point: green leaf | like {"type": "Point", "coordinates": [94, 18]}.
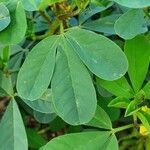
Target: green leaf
{"type": "Point", "coordinates": [119, 102]}
{"type": "Point", "coordinates": [114, 113]}
{"type": "Point", "coordinates": [35, 140]}
{"type": "Point", "coordinates": [33, 5]}
{"type": "Point", "coordinates": [103, 57]}
{"type": "Point", "coordinates": [137, 51]}
{"type": "Point", "coordinates": [44, 118]}
{"type": "Point", "coordinates": [131, 23]}
{"type": "Point", "coordinates": [146, 89]}
{"type": "Point", "coordinates": [104, 25]}
{"type": "Point", "coordinates": [133, 3]}
{"type": "Point", "coordinates": [15, 61]}
{"type": "Point", "coordinates": [100, 119]}
{"type": "Point", "coordinates": [70, 84]}
{"type": "Point", "coordinates": [4, 17]}
{"type": "Point", "coordinates": [42, 105]}
{"type": "Point", "coordinates": [84, 141]}
{"type": "Point", "coordinates": [92, 10]}
{"type": "Point", "coordinates": [13, 135]}
{"type": "Point", "coordinates": [145, 118]}
{"type": "Point", "coordinates": [5, 83]}
{"type": "Point", "coordinates": [118, 87]}
{"type": "Point", "coordinates": [132, 108]}
{"type": "Point", "coordinates": [35, 75]}
{"type": "Point", "coordinates": [3, 93]}
{"type": "Point", "coordinates": [16, 30]}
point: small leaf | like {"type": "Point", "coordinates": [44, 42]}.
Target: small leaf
{"type": "Point", "coordinates": [74, 95]}
{"type": "Point", "coordinates": [131, 23]}
{"type": "Point", "coordinates": [103, 57]}
{"type": "Point", "coordinates": [145, 119]}
{"type": "Point", "coordinates": [118, 87]}
{"type": "Point", "coordinates": [100, 119]}
{"type": "Point", "coordinates": [13, 134]}
{"type": "Point", "coordinates": [4, 17]}
{"type": "Point", "coordinates": [119, 102]}
{"type": "Point", "coordinates": [133, 3]}
{"type": "Point", "coordinates": [35, 75]}
{"type": "Point", "coordinates": [132, 108]}
{"type": "Point", "coordinates": [84, 141]}
{"type": "Point", "coordinates": [137, 51]}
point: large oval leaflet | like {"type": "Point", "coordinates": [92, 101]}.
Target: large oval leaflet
{"type": "Point", "coordinates": [100, 140]}
{"type": "Point", "coordinates": [102, 56]}
{"type": "Point", "coordinates": [35, 74]}
{"type": "Point", "coordinates": [74, 95]}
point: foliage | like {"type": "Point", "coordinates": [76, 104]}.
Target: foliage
{"type": "Point", "coordinates": [74, 75]}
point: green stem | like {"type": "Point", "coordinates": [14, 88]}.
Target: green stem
{"type": "Point", "coordinates": [61, 27]}
{"type": "Point", "coordinates": [119, 129]}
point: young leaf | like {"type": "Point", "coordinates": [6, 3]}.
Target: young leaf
{"type": "Point", "coordinates": [132, 108]}
{"type": "Point", "coordinates": [13, 135]}
{"type": "Point", "coordinates": [137, 51]}
{"type": "Point", "coordinates": [100, 119]}
{"type": "Point", "coordinates": [74, 95]}
{"type": "Point", "coordinates": [118, 87]}
{"type": "Point", "coordinates": [145, 118]}
{"type": "Point", "coordinates": [15, 32]}
{"type": "Point", "coordinates": [119, 102]}
{"type": "Point", "coordinates": [103, 57]}
{"type": "Point", "coordinates": [133, 3]}
{"type": "Point", "coordinates": [84, 141]}
{"type": "Point", "coordinates": [131, 23]}
{"type": "Point", "coordinates": [35, 75]}
{"type": "Point", "coordinates": [4, 17]}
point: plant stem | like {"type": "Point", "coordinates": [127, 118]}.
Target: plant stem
{"type": "Point", "coordinates": [119, 129]}
{"type": "Point", "coordinates": [61, 27]}
{"type": "Point", "coordinates": [44, 130]}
